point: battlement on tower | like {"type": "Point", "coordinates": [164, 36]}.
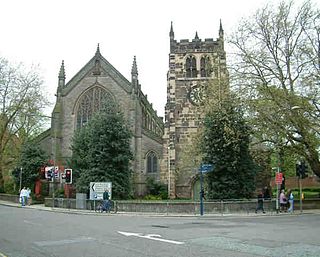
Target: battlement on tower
{"type": "Point", "coordinates": [208, 45]}
{"type": "Point", "coordinates": [196, 45]}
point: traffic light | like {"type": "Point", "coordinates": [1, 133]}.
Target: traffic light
{"type": "Point", "coordinates": [68, 173]}
{"type": "Point", "coordinates": [304, 170]}
{"type": "Point", "coordinates": [50, 174]}
{"type": "Point", "coordinates": [301, 170]}
{"type": "Point", "coordinates": [298, 169]}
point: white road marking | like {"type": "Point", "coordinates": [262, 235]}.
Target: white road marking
{"type": "Point", "coordinates": [155, 237]}
{"type": "Point", "coordinates": [31, 223]}
{"type": "Point", "coordinates": [63, 242]}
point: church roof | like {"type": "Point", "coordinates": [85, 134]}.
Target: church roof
{"type": "Point", "coordinates": [104, 66]}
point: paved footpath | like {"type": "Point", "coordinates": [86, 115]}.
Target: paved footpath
{"type": "Point", "coordinates": [41, 207]}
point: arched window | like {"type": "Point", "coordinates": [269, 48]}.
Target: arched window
{"type": "Point", "coordinates": [90, 103]}
{"type": "Point", "coordinates": [152, 163]}
{"type": "Point", "coordinates": [205, 67]}
{"type": "Point", "coordinates": [191, 67]}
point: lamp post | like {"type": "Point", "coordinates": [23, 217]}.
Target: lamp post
{"type": "Point", "coordinates": [54, 159]}
{"type": "Point", "coordinates": [300, 189]}
{"type": "Point", "coordinates": [54, 151]}
{"type": "Point", "coordinates": [53, 126]}
{"type": "Point", "coordinates": [20, 176]}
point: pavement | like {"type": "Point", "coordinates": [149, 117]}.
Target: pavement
{"type": "Point", "coordinates": [42, 207]}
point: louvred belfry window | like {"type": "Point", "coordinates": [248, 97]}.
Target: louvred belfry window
{"type": "Point", "coordinates": [191, 67]}
{"type": "Point", "coordinates": [205, 67]}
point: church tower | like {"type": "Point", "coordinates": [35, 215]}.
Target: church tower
{"type": "Point", "coordinates": [193, 67]}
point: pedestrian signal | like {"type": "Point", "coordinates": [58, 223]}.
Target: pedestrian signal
{"type": "Point", "coordinates": [68, 174]}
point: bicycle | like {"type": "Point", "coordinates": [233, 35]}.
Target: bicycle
{"type": "Point", "coordinates": [102, 206]}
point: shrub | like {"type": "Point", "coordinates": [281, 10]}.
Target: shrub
{"type": "Point", "coordinates": [156, 189]}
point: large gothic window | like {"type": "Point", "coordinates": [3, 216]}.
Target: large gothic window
{"type": "Point", "coordinates": [89, 103]}
{"type": "Point", "coordinates": [191, 67]}
{"type": "Point", "coordinates": [152, 163]}
{"type": "Point", "coordinates": [205, 67]}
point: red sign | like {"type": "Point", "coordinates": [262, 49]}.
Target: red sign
{"type": "Point", "coordinates": [279, 178]}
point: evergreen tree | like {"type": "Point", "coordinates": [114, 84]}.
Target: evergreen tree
{"type": "Point", "coordinates": [225, 144]}
{"type": "Point", "coordinates": [31, 160]}
{"type": "Point", "coordinates": [102, 152]}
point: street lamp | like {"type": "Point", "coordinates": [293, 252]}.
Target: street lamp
{"type": "Point", "coordinates": [20, 175]}
{"type": "Point", "coordinates": [53, 126]}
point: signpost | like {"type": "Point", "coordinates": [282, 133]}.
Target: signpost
{"type": "Point", "coordinates": [279, 178]}
{"type": "Point", "coordinates": [203, 169]}
{"type": "Point", "coordinates": [97, 189]}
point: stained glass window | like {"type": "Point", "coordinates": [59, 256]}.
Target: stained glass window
{"type": "Point", "coordinates": [89, 103]}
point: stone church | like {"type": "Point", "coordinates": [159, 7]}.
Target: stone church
{"type": "Point", "coordinates": [157, 145]}
{"type": "Point", "coordinates": [194, 66]}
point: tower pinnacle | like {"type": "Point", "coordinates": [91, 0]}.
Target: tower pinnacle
{"type": "Point", "coordinates": [98, 50]}
{"type": "Point", "coordinates": [62, 76]}
{"type": "Point", "coordinates": [171, 34]}
{"type": "Point", "coordinates": [196, 36]}
{"type": "Point", "coordinates": [220, 30]}
{"type": "Point", "coordinates": [134, 69]}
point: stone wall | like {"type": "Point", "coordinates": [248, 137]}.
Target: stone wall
{"type": "Point", "coordinates": [191, 208]}
{"type": "Point", "coordinates": [167, 207]}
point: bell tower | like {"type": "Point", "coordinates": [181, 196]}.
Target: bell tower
{"type": "Point", "coordinates": [193, 67]}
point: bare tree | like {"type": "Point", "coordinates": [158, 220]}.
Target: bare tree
{"type": "Point", "coordinates": [276, 70]}
{"type": "Point", "coordinates": [20, 102]}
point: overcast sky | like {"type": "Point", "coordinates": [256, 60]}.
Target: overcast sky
{"type": "Point", "coordinates": [47, 32]}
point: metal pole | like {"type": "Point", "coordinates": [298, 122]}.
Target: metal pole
{"type": "Point", "coordinates": [20, 179]}
{"type": "Point", "coordinates": [201, 193]}
{"type": "Point", "coordinates": [54, 159]}
{"type": "Point", "coordinates": [300, 187]}
{"type": "Point", "coordinates": [277, 198]}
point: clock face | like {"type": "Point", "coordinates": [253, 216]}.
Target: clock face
{"type": "Point", "coordinates": [197, 94]}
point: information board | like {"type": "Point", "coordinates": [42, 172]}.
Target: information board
{"type": "Point", "coordinates": [97, 189]}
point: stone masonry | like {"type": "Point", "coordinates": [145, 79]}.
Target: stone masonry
{"type": "Point", "coordinates": [193, 67]}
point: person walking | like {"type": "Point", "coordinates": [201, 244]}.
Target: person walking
{"type": "Point", "coordinates": [23, 196]}
{"type": "Point", "coordinates": [260, 202]}
{"type": "Point", "coordinates": [283, 201]}
{"type": "Point", "coordinates": [28, 196]}
{"type": "Point", "coordinates": [105, 197]}
{"type": "Point", "coordinates": [291, 200]}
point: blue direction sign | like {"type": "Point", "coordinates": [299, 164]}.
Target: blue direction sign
{"type": "Point", "coordinates": [206, 168]}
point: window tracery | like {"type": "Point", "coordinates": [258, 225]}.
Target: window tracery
{"type": "Point", "coordinates": [152, 163]}
{"type": "Point", "coordinates": [90, 103]}
{"type": "Point", "coordinates": [205, 67]}
{"type": "Point", "coordinates": [191, 67]}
